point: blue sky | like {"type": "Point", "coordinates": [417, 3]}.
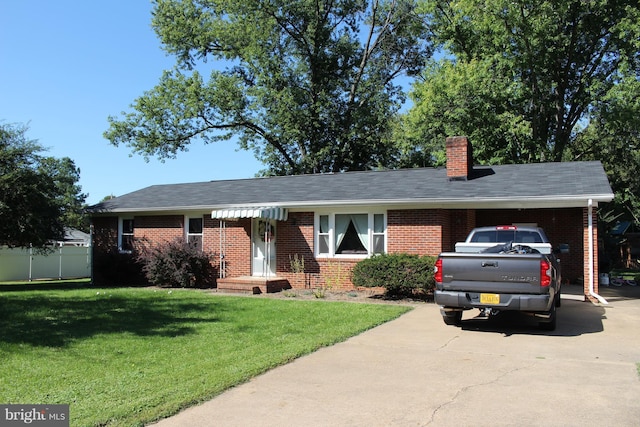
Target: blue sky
{"type": "Point", "coordinates": [65, 66]}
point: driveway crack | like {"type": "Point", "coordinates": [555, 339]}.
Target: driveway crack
{"type": "Point", "coordinates": [472, 386]}
{"type": "Point", "coordinates": [445, 345]}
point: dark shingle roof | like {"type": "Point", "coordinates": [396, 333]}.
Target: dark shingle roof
{"type": "Point", "coordinates": [558, 184]}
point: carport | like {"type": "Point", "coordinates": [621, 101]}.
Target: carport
{"type": "Point", "coordinates": [562, 198]}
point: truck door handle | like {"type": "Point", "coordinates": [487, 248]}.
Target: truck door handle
{"type": "Point", "coordinates": [490, 263]}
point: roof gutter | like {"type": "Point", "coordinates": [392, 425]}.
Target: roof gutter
{"type": "Point", "coordinates": [531, 202]}
{"type": "Point", "coordinates": [591, 256]}
{"type": "Point", "coordinates": [458, 203]}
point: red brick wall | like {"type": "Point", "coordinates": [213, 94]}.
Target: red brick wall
{"type": "Point", "coordinates": [416, 231]}
{"type": "Point", "coordinates": [459, 157]}
{"type": "Point", "coordinates": [560, 225]}
{"type": "Point", "coordinates": [158, 229]}
{"type": "Point", "coordinates": [110, 267]}
{"type": "Point", "coordinates": [105, 234]}
{"type": "Point", "coordinates": [585, 236]}
{"type": "Point", "coordinates": [211, 234]}
{"type": "Point", "coordinates": [236, 245]}
{"type": "Point", "coordinates": [461, 222]}
{"type": "Point", "coordinates": [330, 273]}
{"type": "Point", "coordinates": [335, 273]}
{"type": "Point", "coordinates": [295, 240]}
{"type": "Point", "coordinates": [236, 235]}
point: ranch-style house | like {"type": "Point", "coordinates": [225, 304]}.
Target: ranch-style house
{"type": "Point", "coordinates": [257, 227]}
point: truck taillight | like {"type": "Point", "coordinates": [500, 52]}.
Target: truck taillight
{"type": "Point", "coordinates": [545, 273]}
{"type": "Point", "coordinates": [506, 227]}
{"type": "Point", "coordinates": [437, 270]}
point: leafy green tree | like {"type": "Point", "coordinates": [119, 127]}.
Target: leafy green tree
{"type": "Point", "coordinates": [38, 194]}
{"type": "Point", "coordinates": [613, 137]}
{"type": "Point", "coordinates": [308, 86]}
{"type": "Point", "coordinates": [70, 198]}
{"type": "Point", "coordinates": [520, 76]}
{"type": "Point", "coordinates": [463, 98]}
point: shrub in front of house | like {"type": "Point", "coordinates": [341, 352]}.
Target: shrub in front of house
{"type": "Point", "coordinates": [115, 268]}
{"type": "Point", "coordinates": [176, 264]}
{"type": "Point", "coordinates": [400, 274]}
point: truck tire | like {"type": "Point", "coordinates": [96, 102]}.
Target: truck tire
{"type": "Point", "coordinates": [550, 325]}
{"type": "Point", "coordinates": [453, 318]}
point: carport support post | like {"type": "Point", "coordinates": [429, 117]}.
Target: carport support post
{"type": "Point", "coordinates": [591, 250]}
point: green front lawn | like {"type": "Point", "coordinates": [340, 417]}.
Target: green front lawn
{"type": "Point", "coordinates": [130, 356]}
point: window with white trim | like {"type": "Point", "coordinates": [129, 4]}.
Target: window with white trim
{"type": "Point", "coordinates": [194, 232]}
{"type": "Point", "coordinates": [379, 240]}
{"type": "Point", "coordinates": [355, 234]}
{"type": "Point", "coordinates": [126, 235]}
{"type": "Point", "coordinates": [323, 235]}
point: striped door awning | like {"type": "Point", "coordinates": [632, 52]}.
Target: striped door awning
{"type": "Point", "coordinates": [266, 212]}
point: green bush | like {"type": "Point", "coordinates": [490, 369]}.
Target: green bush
{"type": "Point", "coordinates": [399, 274]}
{"type": "Point", "coordinates": [176, 264]}
{"type": "Point", "coordinates": [114, 268]}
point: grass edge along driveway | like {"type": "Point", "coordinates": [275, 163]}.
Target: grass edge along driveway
{"type": "Point", "coordinates": [130, 356]}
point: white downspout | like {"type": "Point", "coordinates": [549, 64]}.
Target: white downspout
{"type": "Point", "coordinates": [223, 246]}
{"type": "Point", "coordinates": [267, 248]}
{"type": "Point", "coordinates": [591, 278]}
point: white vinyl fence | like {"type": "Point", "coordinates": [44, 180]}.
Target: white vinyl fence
{"type": "Point", "coordinates": [65, 262]}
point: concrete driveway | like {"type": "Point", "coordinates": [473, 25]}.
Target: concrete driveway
{"type": "Point", "coordinates": [416, 371]}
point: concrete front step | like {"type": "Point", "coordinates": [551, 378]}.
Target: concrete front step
{"type": "Point", "coordinates": [253, 285]}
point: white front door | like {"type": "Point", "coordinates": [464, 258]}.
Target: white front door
{"type": "Point", "coordinates": [263, 247]}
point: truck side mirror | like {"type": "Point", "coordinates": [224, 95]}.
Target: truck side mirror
{"type": "Point", "coordinates": [563, 248]}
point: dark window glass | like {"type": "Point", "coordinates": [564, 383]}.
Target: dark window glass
{"type": "Point", "coordinates": [127, 226]}
{"type": "Point", "coordinates": [351, 243]}
{"type": "Point", "coordinates": [127, 235]}
{"type": "Point", "coordinates": [195, 225]}
{"type": "Point", "coordinates": [194, 233]}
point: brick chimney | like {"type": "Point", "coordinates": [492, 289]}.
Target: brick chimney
{"type": "Point", "coordinates": [459, 158]}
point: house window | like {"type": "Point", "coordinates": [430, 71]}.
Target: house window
{"type": "Point", "coordinates": [378, 234]}
{"type": "Point", "coordinates": [194, 232]}
{"type": "Point", "coordinates": [126, 236]}
{"type": "Point", "coordinates": [350, 234]}
{"type": "Point", "coordinates": [323, 235]}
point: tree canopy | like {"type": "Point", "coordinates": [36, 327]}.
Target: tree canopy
{"type": "Point", "coordinates": [521, 77]}
{"type": "Point", "coordinates": [531, 81]}
{"type": "Point", "coordinates": [39, 195]}
{"type": "Point", "coordinates": [613, 137]}
{"type": "Point", "coordinates": [308, 86]}
{"type": "Point", "coordinates": [314, 85]}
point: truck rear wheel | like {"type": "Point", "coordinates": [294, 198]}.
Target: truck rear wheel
{"type": "Point", "coordinates": [453, 318]}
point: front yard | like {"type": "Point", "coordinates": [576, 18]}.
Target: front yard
{"type": "Point", "coordinates": [124, 357]}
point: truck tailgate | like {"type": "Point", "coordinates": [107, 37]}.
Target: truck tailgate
{"type": "Point", "coordinates": [499, 273]}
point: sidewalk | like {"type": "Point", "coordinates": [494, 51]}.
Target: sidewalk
{"type": "Point", "coordinates": [416, 371]}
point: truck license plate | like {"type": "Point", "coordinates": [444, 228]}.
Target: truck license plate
{"type": "Point", "coordinates": [489, 299]}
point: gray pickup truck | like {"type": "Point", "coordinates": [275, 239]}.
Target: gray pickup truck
{"type": "Point", "coordinates": [500, 268]}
